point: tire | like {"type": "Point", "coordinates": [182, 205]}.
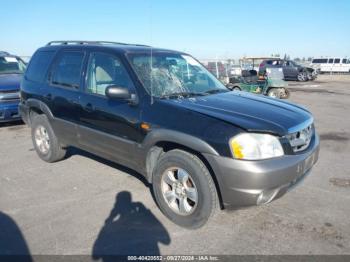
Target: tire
{"type": "Point", "coordinates": [274, 93]}
{"type": "Point", "coordinates": [229, 86]}
{"type": "Point", "coordinates": [173, 167]}
{"type": "Point", "coordinates": [285, 93]}
{"type": "Point", "coordinates": [45, 141]}
{"type": "Point", "coordinates": [302, 77]}
{"type": "Point", "coordinates": [236, 88]}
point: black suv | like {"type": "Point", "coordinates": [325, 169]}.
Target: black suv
{"type": "Point", "coordinates": [161, 113]}
{"type": "Point", "coordinates": [291, 70]}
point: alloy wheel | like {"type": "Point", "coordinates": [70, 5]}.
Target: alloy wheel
{"type": "Point", "coordinates": [179, 191]}
{"type": "Point", "coordinates": [42, 139]}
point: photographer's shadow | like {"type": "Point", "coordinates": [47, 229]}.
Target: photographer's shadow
{"type": "Point", "coordinates": [13, 246]}
{"type": "Point", "coordinates": [130, 229]}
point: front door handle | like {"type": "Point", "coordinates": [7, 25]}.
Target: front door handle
{"type": "Point", "coordinates": [89, 107]}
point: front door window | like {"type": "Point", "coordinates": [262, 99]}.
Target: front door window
{"type": "Point", "coordinates": [105, 70]}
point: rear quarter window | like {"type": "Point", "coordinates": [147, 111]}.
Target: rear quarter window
{"type": "Point", "coordinates": [38, 66]}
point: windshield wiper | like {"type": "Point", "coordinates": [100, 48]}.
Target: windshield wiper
{"type": "Point", "coordinates": [215, 91]}
{"type": "Point", "coordinates": [182, 94]}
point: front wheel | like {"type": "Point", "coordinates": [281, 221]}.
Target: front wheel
{"type": "Point", "coordinates": [302, 77]}
{"type": "Point", "coordinates": [184, 189]}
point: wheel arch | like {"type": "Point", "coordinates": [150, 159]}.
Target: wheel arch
{"type": "Point", "coordinates": [35, 107]}
{"type": "Point", "coordinates": [168, 143]}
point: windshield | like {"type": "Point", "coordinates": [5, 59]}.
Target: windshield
{"type": "Point", "coordinates": [11, 65]}
{"type": "Point", "coordinates": [167, 74]}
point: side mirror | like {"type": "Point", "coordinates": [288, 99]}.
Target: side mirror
{"type": "Point", "coordinates": [117, 92]}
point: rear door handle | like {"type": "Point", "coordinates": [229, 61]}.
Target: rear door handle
{"type": "Point", "coordinates": [74, 102]}
{"type": "Point", "coordinates": [89, 107]}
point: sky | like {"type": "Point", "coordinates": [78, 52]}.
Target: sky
{"type": "Point", "coordinates": [207, 29]}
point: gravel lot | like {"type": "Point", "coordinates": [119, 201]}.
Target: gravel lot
{"type": "Point", "coordinates": [72, 207]}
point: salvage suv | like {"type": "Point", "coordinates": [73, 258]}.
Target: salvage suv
{"type": "Point", "coordinates": [161, 113]}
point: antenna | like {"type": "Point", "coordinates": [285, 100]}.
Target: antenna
{"type": "Point", "coordinates": [150, 33]}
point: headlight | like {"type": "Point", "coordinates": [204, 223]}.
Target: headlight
{"type": "Point", "coordinates": [252, 146]}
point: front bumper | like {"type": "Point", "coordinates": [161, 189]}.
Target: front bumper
{"type": "Point", "coordinates": [245, 183]}
{"type": "Point", "coordinates": [9, 112]}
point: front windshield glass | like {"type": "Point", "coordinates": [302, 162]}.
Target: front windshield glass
{"type": "Point", "coordinates": [11, 65]}
{"type": "Point", "coordinates": [169, 74]}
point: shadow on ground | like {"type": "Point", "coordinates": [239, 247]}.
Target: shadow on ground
{"type": "Point", "coordinates": [72, 151]}
{"type": "Point", "coordinates": [130, 229]}
{"type": "Point", "coordinates": [14, 124]}
{"type": "Point", "coordinates": [12, 242]}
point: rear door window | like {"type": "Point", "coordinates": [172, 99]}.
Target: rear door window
{"type": "Point", "coordinates": [336, 61]}
{"type": "Point", "coordinates": [67, 69]}
{"type": "Point", "coordinates": [330, 61]}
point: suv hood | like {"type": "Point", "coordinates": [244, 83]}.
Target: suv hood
{"type": "Point", "coordinates": [251, 112]}
{"type": "Point", "coordinates": [10, 82]}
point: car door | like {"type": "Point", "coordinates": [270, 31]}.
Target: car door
{"type": "Point", "coordinates": [63, 94]}
{"type": "Point", "coordinates": [289, 70]}
{"type": "Point", "coordinates": [108, 127]}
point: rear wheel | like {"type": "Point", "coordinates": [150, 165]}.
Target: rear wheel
{"type": "Point", "coordinates": [45, 141]}
{"type": "Point", "coordinates": [274, 93]}
{"type": "Point", "coordinates": [236, 88]}
{"type": "Point", "coordinates": [285, 93]}
{"type": "Point", "coordinates": [184, 189]}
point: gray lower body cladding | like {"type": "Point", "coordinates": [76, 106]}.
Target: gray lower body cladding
{"type": "Point", "coordinates": [246, 183]}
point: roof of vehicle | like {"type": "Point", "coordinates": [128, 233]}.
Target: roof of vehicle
{"type": "Point", "coordinates": [121, 47]}
{"type": "Point", "coordinates": [258, 57]}
{"type": "Point", "coordinates": [274, 58]}
{"type": "Point", "coordinates": [7, 54]}
{"type": "Point", "coordinates": [3, 53]}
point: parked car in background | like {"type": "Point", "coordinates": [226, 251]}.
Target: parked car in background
{"type": "Point", "coordinates": [271, 85]}
{"type": "Point", "coordinates": [331, 65]}
{"type": "Point", "coordinates": [161, 113]}
{"type": "Point", "coordinates": [11, 71]}
{"type": "Point", "coordinates": [291, 70]}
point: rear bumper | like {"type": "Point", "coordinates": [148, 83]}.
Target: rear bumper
{"type": "Point", "coordinates": [247, 183]}
{"type": "Point", "coordinates": [24, 113]}
{"type": "Point", "coordinates": [9, 112]}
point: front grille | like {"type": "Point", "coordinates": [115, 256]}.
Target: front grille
{"type": "Point", "coordinates": [9, 95]}
{"type": "Point", "coordinates": [301, 139]}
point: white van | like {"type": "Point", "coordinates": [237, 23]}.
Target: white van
{"type": "Point", "coordinates": [331, 65]}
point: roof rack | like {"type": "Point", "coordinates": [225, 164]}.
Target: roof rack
{"type": "Point", "coordinates": [80, 42]}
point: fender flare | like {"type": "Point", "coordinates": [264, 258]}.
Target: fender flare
{"type": "Point", "coordinates": [166, 135]}
{"type": "Point", "coordinates": [35, 103]}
